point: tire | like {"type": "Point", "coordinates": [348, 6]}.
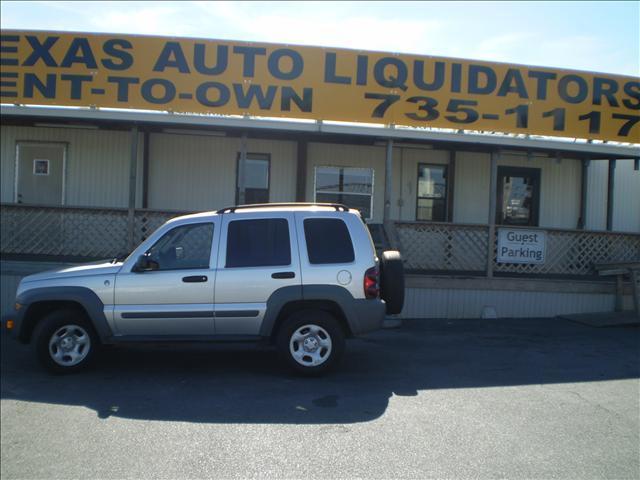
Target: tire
{"type": "Point", "coordinates": [392, 281]}
{"type": "Point", "coordinates": [65, 342]}
{"type": "Point", "coordinates": [311, 342]}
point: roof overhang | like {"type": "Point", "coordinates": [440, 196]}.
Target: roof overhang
{"type": "Point", "coordinates": [487, 141]}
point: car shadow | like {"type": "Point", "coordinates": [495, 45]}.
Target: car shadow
{"type": "Point", "coordinates": [247, 384]}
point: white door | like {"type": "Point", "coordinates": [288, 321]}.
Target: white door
{"type": "Point", "coordinates": [40, 173]}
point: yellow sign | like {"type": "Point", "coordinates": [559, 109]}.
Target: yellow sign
{"type": "Point", "coordinates": [267, 80]}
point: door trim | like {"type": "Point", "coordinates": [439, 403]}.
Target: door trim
{"type": "Point", "coordinates": [40, 143]}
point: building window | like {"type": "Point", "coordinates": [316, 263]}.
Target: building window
{"type": "Point", "coordinates": [518, 196]}
{"type": "Point", "coordinates": [432, 193]}
{"type": "Point", "coordinates": [352, 187]}
{"type": "Point", "coordinates": [256, 178]}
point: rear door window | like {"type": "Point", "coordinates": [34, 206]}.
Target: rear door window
{"type": "Point", "coordinates": [328, 241]}
{"type": "Point", "coordinates": [258, 243]}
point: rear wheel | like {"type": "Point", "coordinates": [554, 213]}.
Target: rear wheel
{"type": "Point", "coordinates": [64, 341]}
{"type": "Point", "coordinates": [311, 341]}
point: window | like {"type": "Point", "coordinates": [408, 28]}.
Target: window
{"type": "Point", "coordinates": [352, 187]}
{"type": "Point", "coordinates": [256, 178]}
{"type": "Point", "coordinates": [184, 247]}
{"type": "Point", "coordinates": [518, 196]}
{"type": "Point", "coordinates": [328, 241]}
{"type": "Point", "coordinates": [258, 243]}
{"type": "Point", "coordinates": [432, 193]}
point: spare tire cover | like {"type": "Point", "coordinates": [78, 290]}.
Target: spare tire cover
{"type": "Point", "coordinates": [392, 281]}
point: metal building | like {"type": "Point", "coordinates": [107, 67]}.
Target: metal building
{"type": "Point", "coordinates": [82, 183]}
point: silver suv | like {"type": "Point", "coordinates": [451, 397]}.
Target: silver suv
{"type": "Point", "coordinates": [301, 276]}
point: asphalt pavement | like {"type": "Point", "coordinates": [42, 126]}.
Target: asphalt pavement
{"type": "Point", "coordinates": [508, 398]}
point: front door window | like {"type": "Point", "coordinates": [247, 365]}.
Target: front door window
{"type": "Point", "coordinates": [518, 196]}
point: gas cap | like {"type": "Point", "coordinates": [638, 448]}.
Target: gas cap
{"type": "Point", "coordinates": [344, 277]}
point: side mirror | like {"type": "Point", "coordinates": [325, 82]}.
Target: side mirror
{"type": "Point", "coordinates": [145, 264]}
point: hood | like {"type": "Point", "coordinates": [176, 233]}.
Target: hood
{"type": "Point", "coordinates": [103, 267]}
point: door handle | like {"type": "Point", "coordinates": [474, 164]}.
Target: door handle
{"type": "Point", "coordinates": [283, 275]}
{"type": "Point", "coordinates": [195, 279]}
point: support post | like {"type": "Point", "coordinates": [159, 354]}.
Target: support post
{"type": "Point", "coordinates": [301, 175]}
{"type": "Point", "coordinates": [133, 172]}
{"type": "Point", "coordinates": [451, 183]}
{"type": "Point", "coordinates": [610, 193]}
{"type": "Point", "coordinates": [241, 169]}
{"type": "Point", "coordinates": [582, 220]}
{"type": "Point", "coordinates": [145, 169]}
{"type": "Point", "coordinates": [493, 185]}
{"type": "Point", "coordinates": [388, 182]}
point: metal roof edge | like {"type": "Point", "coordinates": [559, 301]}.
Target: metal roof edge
{"type": "Point", "coordinates": [586, 149]}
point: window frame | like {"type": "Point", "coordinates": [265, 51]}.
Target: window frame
{"type": "Point", "coordinates": [223, 261]}
{"type": "Point", "coordinates": [267, 157]}
{"type": "Point", "coordinates": [445, 198]}
{"type": "Point", "coordinates": [536, 174]}
{"type": "Point", "coordinates": [342, 167]}
{"type": "Point", "coordinates": [211, 250]}
{"type": "Point", "coordinates": [306, 242]}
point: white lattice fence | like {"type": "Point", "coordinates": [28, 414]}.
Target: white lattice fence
{"type": "Point", "coordinates": [443, 247]}
{"type": "Point", "coordinates": [73, 231]}
{"type": "Point", "coordinates": [147, 221]}
{"type": "Point", "coordinates": [84, 232]}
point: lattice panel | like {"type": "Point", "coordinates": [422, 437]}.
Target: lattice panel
{"type": "Point", "coordinates": [427, 246]}
{"type": "Point", "coordinates": [575, 252]}
{"type": "Point", "coordinates": [146, 222]}
{"type": "Point", "coordinates": [63, 231]}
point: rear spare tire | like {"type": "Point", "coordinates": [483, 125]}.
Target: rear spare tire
{"type": "Point", "coordinates": [392, 281]}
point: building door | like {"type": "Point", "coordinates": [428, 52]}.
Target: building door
{"type": "Point", "coordinates": [518, 199]}
{"type": "Point", "coordinates": [40, 173]}
{"type": "Point", "coordinates": [432, 193]}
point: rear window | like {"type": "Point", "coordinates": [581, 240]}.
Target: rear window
{"type": "Point", "coordinates": [328, 241]}
{"type": "Point", "coordinates": [258, 243]}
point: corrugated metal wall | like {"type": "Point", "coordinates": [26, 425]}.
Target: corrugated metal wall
{"type": "Point", "coordinates": [189, 172]}
{"type": "Point", "coordinates": [626, 209]}
{"type": "Point", "coordinates": [97, 169]}
{"type": "Point", "coordinates": [559, 188]}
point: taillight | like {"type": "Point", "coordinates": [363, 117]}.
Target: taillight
{"type": "Point", "coordinates": [371, 287]}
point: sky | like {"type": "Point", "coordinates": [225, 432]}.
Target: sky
{"type": "Point", "coordinates": [591, 36]}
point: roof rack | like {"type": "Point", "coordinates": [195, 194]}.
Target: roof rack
{"type": "Point", "coordinates": [338, 206]}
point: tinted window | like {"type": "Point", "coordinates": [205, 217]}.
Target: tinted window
{"type": "Point", "coordinates": [258, 243]}
{"type": "Point", "coordinates": [188, 246]}
{"type": "Point", "coordinates": [328, 241]}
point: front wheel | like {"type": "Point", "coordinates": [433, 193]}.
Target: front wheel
{"type": "Point", "coordinates": [64, 342]}
{"type": "Point", "coordinates": [311, 341]}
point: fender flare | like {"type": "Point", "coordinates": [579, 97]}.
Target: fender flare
{"type": "Point", "coordinates": [81, 295]}
{"type": "Point", "coordinates": [334, 293]}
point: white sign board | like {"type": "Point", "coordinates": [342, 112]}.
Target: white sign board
{"type": "Point", "coordinates": [521, 246]}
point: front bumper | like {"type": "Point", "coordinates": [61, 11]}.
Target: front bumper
{"type": "Point", "coordinates": [12, 321]}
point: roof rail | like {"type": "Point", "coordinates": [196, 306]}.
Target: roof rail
{"type": "Point", "coordinates": [338, 206]}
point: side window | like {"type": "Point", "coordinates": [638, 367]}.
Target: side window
{"type": "Point", "coordinates": [258, 243]}
{"type": "Point", "coordinates": [328, 241]}
{"type": "Point", "coordinates": [187, 246]}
